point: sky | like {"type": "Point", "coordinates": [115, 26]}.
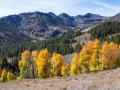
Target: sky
{"type": "Point", "coordinates": [71, 7]}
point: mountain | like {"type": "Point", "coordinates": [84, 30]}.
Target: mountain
{"type": "Point", "coordinates": [67, 20]}
{"type": "Point", "coordinates": [38, 24]}
{"type": "Point", "coordinates": [115, 18]}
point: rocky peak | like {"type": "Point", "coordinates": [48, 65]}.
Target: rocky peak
{"type": "Point", "coordinates": [88, 15]}
{"type": "Point", "coordinates": [92, 16]}
{"type": "Point", "coordinates": [64, 15]}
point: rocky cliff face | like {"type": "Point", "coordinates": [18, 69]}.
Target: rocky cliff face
{"type": "Point", "coordinates": [40, 24]}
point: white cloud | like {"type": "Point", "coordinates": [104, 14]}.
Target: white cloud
{"type": "Point", "coordinates": [113, 7]}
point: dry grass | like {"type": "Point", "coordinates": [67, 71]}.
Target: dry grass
{"type": "Point", "coordinates": [102, 80]}
{"type": "Point", "coordinates": [88, 29]}
{"type": "Point", "coordinates": [82, 39]}
{"type": "Point", "coordinates": [68, 57]}
{"type": "Point", "coordinates": [85, 37]}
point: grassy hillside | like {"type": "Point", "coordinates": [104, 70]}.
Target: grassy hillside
{"type": "Point", "coordinates": [103, 80]}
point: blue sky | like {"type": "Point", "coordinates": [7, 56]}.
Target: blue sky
{"type": "Point", "coordinates": [71, 7]}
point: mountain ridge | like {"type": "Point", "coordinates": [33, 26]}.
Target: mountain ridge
{"type": "Point", "coordinates": [41, 24]}
{"type": "Point", "coordinates": [45, 25]}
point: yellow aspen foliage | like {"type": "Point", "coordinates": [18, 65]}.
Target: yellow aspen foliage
{"type": "Point", "coordinates": [84, 63]}
{"type": "Point", "coordinates": [10, 76]}
{"type": "Point", "coordinates": [0, 68]}
{"type": "Point", "coordinates": [41, 72]}
{"type": "Point", "coordinates": [44, 53]}
{"type": "Point", "coordinates": [92, 57]}
{"type": "Point", "coordinates": [57, 62]}
{"type": "Point", "coordinates": [34, 62]}
{"type": "Point", "coordinates": [118, 59]}
{"type": "Point", "coordinates": [85, 56]}
{"type": "Point", "coordinates": [96, 47]}
{"type": "Point", "coordinates": [94, 60]}
{"type": "Point", "coordinates": [109, 55]}
{"type": "Point", "coordinates": [23, 64]}
{"type": "Point", "coordinates": [89, 46]}
{"type": "Point", "coordinates": [43, 63]}
{"type": "Point", "coordinates": [86, 51]}
{"type": "Point", "coordinates": [0, 71]}
{"type": "Point", "coordinates": [24, 59]}
{"type": "Point", "coordinates": [25, 55]}
{"type": "Point", "coordinates": [4, 75]}
{"type": "Point", "coordinates": [1, 75]}
{"type": "Point", "coordinates": [75, 67]}
{"type": "Point", "coordinates": [35, 55]}
{"type": "Point", "coordinates": [1, 80]}
{"type": "Point", "coordinates": [64, 70]}
{"type": "Point", "coordinates": [93, 64]}
{"type": "Point", "coordinates": [52, 73]}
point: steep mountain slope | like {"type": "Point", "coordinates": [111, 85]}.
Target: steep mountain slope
{"type": "Point", "coordinates": [40, 24]}
{"type": "Point", "coordinates": [11, 35]}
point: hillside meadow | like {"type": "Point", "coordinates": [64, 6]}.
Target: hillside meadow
{"type": "Point", "coordinates": [102, 80]}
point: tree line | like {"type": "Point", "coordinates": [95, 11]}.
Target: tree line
{"type": "Point", "coordinates": [104, 30]}
{"type": "Point", "coordinates": [60, 45]}
{"type": "Point", "coordinates": [43, 64]}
